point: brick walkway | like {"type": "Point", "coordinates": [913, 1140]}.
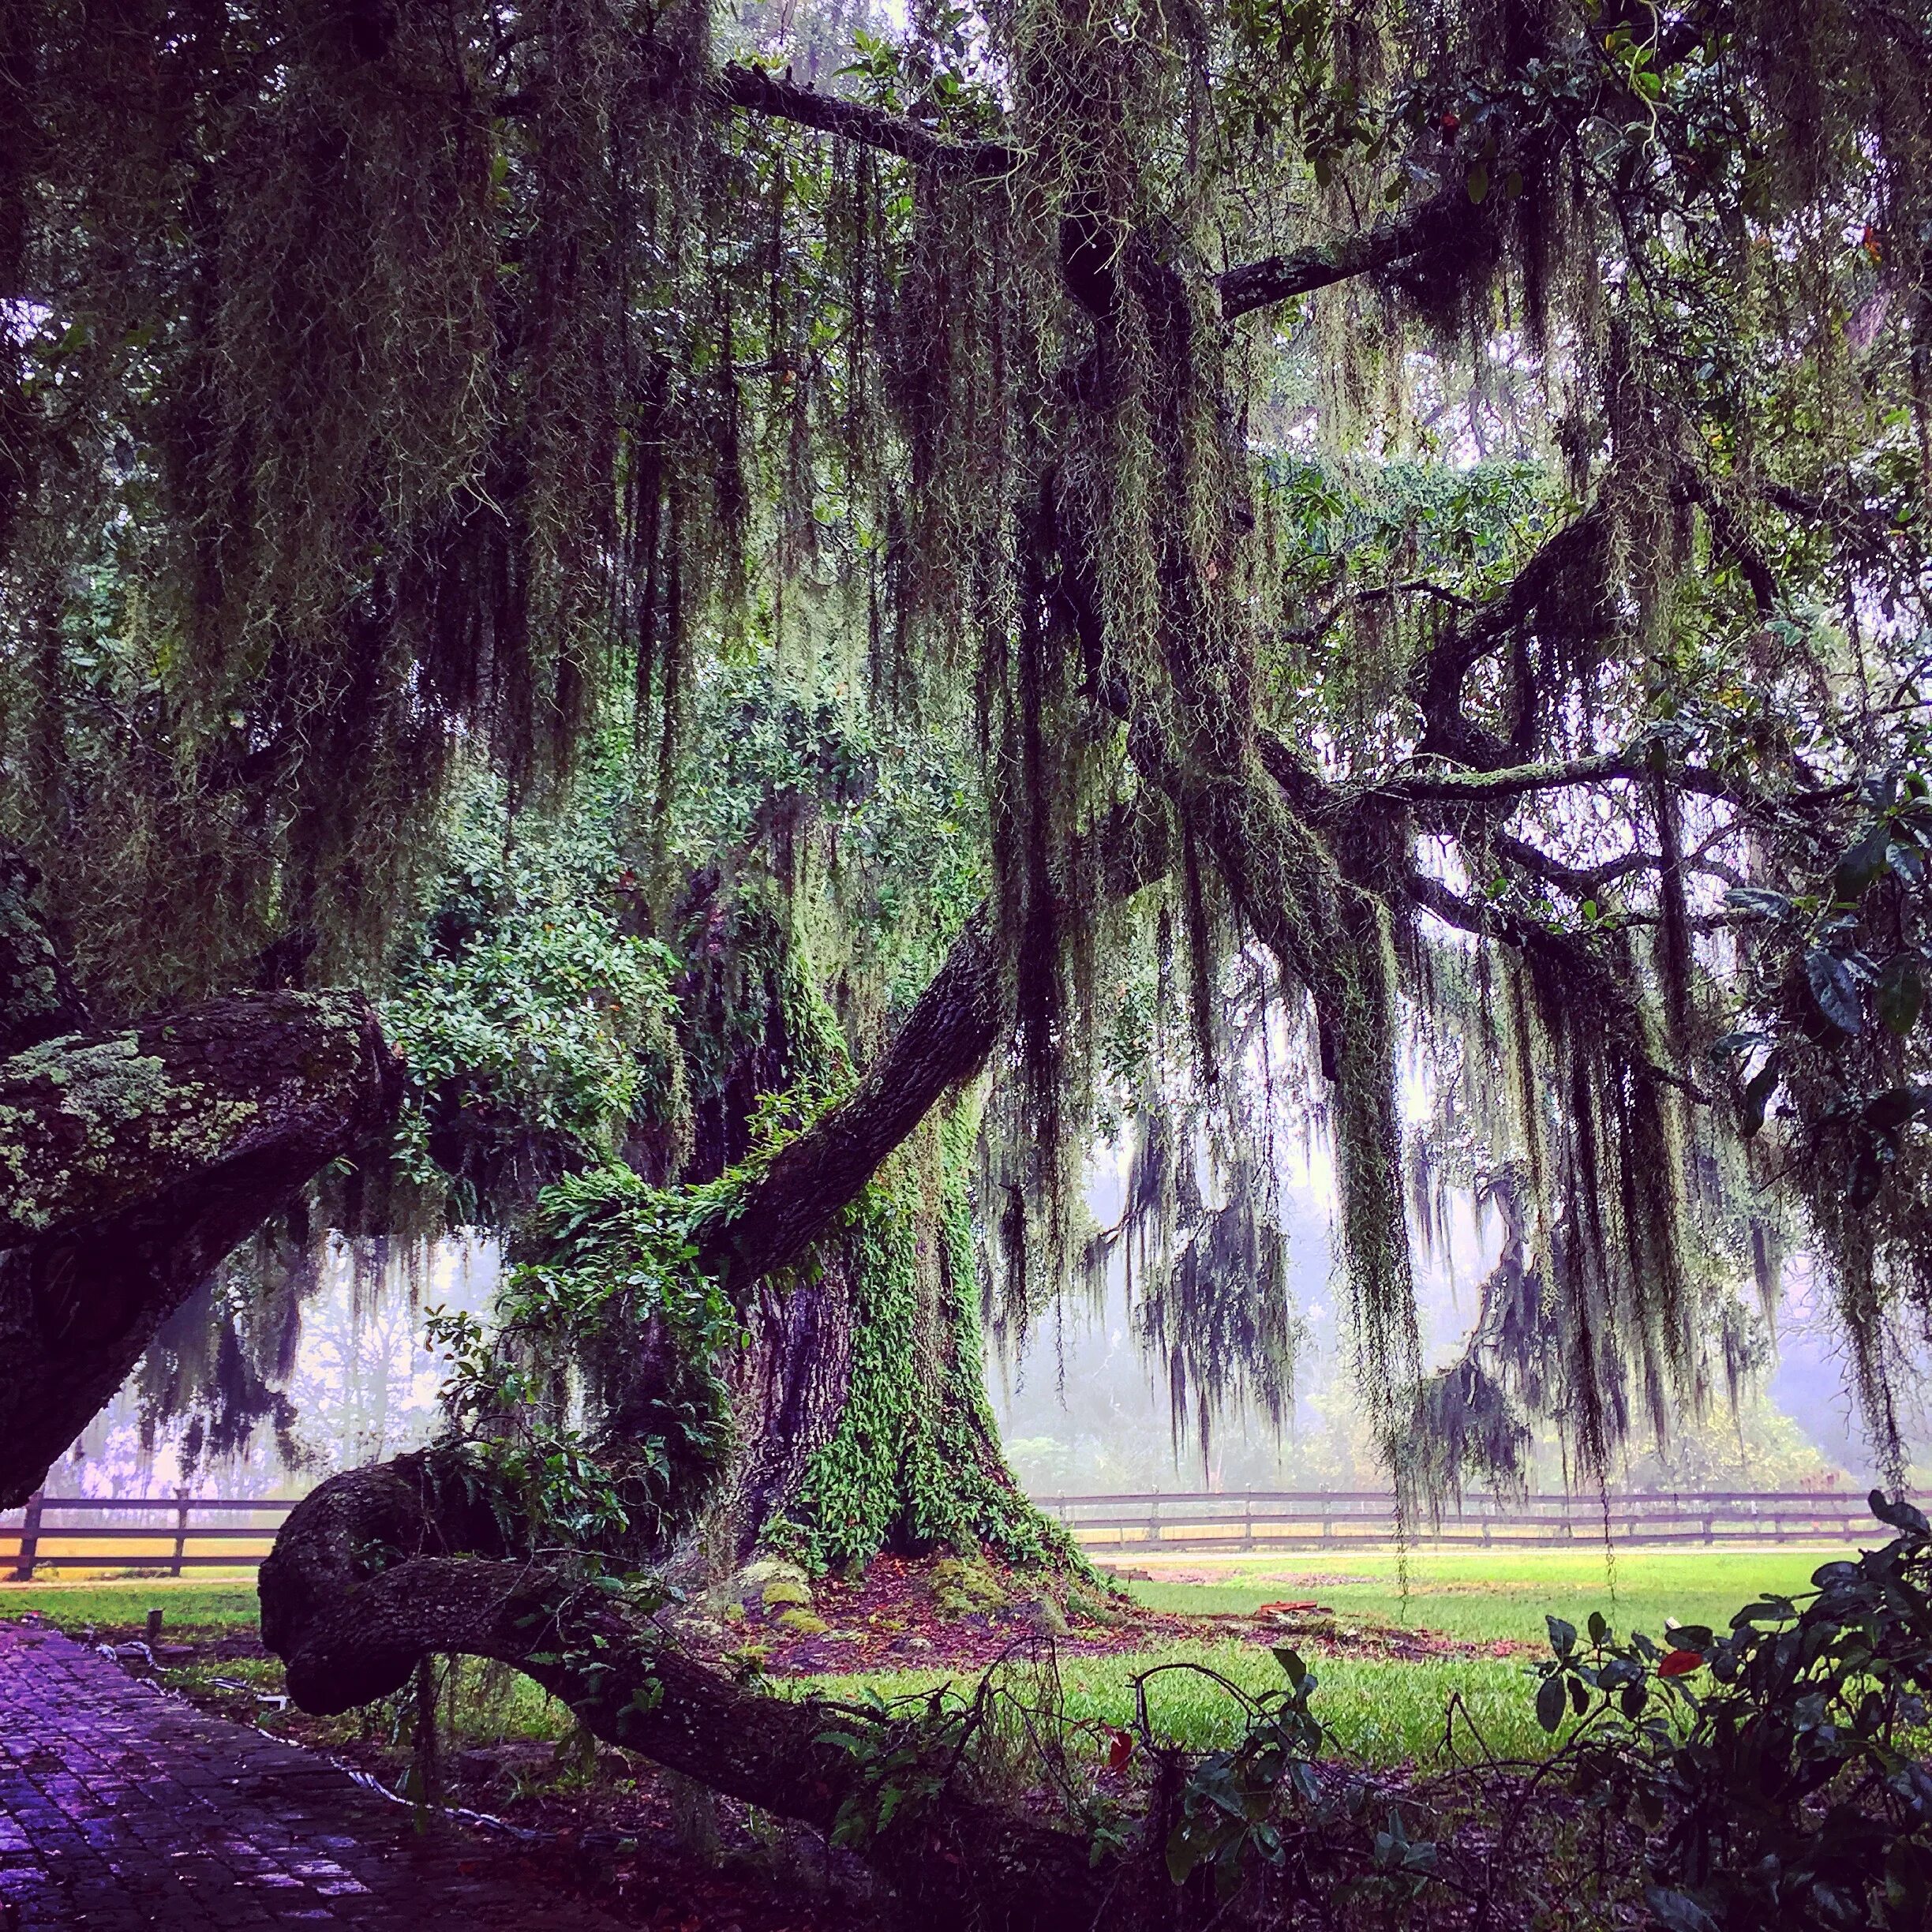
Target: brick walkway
{"type": "Point", "coordinates": [120, 1807]}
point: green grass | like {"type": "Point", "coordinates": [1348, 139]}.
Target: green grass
{"type": "Point", "coordinates": [189, 1607]}
{"type": "Point", "coordinates": [1480, 1596]}
{"type": "Point", "coordinates": [1388, 1711]}
{"type": "Point", "coordinates": [1385, 1712]}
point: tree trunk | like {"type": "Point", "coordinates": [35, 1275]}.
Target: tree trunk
{"type": "Point", "coordinates": [859, 1410]}
{"type": "Point", "coordinates": [131, 1162]}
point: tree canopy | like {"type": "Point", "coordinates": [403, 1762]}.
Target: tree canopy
{"type": "Point", "coordinates": [1396, 532]}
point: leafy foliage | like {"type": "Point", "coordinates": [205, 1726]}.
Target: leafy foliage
{"type": "Point", "coordinates": [538, 1033]}
{"type": "Point", "coordinates": [1778, 1766]}
{"type": "Point", "coordinates": [596, 1398]}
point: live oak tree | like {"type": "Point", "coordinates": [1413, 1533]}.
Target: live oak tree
{"type": "Point", "coordinates": [1414, 513]}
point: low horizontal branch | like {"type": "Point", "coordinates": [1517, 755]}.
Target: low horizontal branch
{"type": "Point", "coordinates": [455, 1588]}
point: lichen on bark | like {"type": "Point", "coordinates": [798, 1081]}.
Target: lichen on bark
{"type": "Point", "coordinates": [132, 1162]}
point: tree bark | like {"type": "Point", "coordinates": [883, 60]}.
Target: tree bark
{"type": "Point", "coordinates": [944, 1043]}
{"type": "Point", "coordinates": [132, 1162]}
{"type": "Point", "coordinates": [859, 1409]}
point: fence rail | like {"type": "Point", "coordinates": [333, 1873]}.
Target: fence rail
{"type": "Point", "coordinates": [1249, 1520]}
{"type": "Point", "coordinates": [41, 1536]}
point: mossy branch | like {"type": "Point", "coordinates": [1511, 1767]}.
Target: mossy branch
{"type": "Point", "coordinates": [131, 1162]}
{"type": "Point", "coordinates": [946, 1040]}
{"type": "Point", "coordinates": [1446, 220]}
{"type": "Point", "coordinates": [753, 91]}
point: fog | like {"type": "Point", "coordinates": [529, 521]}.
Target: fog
{"type": "Point", "coordinates": [1080, 1406]}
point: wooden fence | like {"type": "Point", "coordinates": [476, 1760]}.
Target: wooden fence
{"type": "Point", "coordinates": [1248, 1520]}
{"type": "Point", "coordinates": [166, 1533]}
{"type": "Point", "coordinates": [116, 1532]}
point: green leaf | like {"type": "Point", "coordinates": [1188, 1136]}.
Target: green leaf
{"type": "Point", "coordinates": [1549, 1700]}
{"type": "Point", "coordinates": [1899, 1515]}
{"type": "Point", "coordinates": [1834, 989]}
{"type": "Point", "coordinates": [1479, 183]}
{"type": "Point", "coordinates": [1677, 1911]}
{"type": "Point", "coordinates": [1893, 1108]}
{"type": "Point", "coordinates": [1756, 901]}
{"type": "Point", "coordinates": [1562, 1635]}
{"type": "Point", "coordinates": [1901, 992]}
{"type": "Point", "coordinates": [1863, 864]}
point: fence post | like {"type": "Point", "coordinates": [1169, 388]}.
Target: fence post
{"type": "Point", "coordinates": [29, 1538]}
{"type": "Point", "coordinates": [1153, 1521]}
{"type": "Point", "coordinates": [180, 1529]}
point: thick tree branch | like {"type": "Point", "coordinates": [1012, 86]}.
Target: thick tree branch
{"type": "Point", "coordinates": [946, 1040]}
{"type": "Point", "coordinates": [753, 91]}
{"type": "Point", "coordinates": [1493, 922]}
{"type": "Point", "coordinates": [1485, 788]}
{"type": "Point", "coordinates": [948, 1037]}
{"type": "Point", "coordinates": [131, 1162]}
{"type": "Point", "coordinates": [1449, 219]}
{"type": "Point", "coordinates": [1436, 681]}
{"type": "Point", "coordinates": [1579, 882]}
{"type": "Point", "coordinates": [957, 1859]}
{"type": "Point", "coordinates": [1732, 535]}
{"type": "Point", "coordinates": [1445, 220]}
{"type": "Point", "coordinates": [1375, 594]}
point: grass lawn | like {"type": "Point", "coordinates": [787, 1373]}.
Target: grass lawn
{"type": "Point", "coordinates": [1480, 1595]}
{"type": "Point", "coordinates": [1384, 1711]}
{"type": "Point", "coordinates": [191, 1607]}
{"type": "Point", "coordinates": [1387, 1711]}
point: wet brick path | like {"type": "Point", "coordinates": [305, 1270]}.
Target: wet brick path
{"type": "Point", "coordinates": [120, 1807]}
